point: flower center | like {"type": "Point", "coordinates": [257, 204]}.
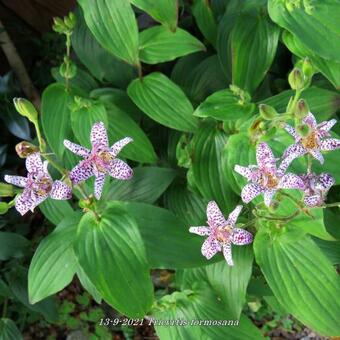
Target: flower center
{"type": "Point", "coordinates": [102, 160]}
{"type": "Point", "coordinates": [269, 181]}
{"type": "Point", "coordinates": [311, 141]}
{"type": "Point", "coordinates": [41, 185]}
{"type": "Point", "coordinates": [223, 234]}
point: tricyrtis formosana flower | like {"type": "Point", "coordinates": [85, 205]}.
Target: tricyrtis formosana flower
{"type": "Point", "coordinates": [221, 233]}
{"type": "Point", "coordinates": [316, 188]}
{"type": "Point", "coordinates": [314, 142]}
{"type": "Point", "coordinates": [265, 178]}
{"type": "Point", "coordinates": [38, 185]}
{"type": "Point", "coordinates": [100, 161]}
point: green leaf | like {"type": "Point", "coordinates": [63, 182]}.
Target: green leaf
{"type": "Point", "coordinates": [166, 237]}
{"type": "Point", "coordinates": [56, 210]}
{"type": "Point", "coordinates": [147, 185]}
{"type": "Point", "coordinates": [112, 255]}
{"type": "Point", "coordinates": [8, 330]}
{"type": "Point", "coordinates": [158, 44]}
{"type": "Point", "coordinates": [225, 105]}
{"type": "Point", "coordinates": [54, 264]}
{"type": "Point", "coordinates": [88, 285]}
{"type": "Point", "coordinates": [164, 11]}
{"type": "Point", "coordinates": [209, 173]}
{"type": "Point", "coordinates": [301, 278]}
{"type": "Point", "coordinates": [329, 68]}
{"type": "Point", "coordinates": [163, 101]}
{"type": "Point", "coordinates": [315, 24]}
{"type": "Point", "coordinates": [83, 118]}
{"type": "Point", "coordinates": [12, 245]}
{"type": "Point", "coordinates": [253, 43]}
{"type": "Point", "coordinates": [331, 249]}
{"type": "Point", "coordinates": [114, 25]}
{"type": "Point", "coordinates": [101, 63]}
{"type": "Point", "coordinates": [55, 117]}
{"type": "Point", "coordinates": [122, 125]}
{"type": "Point", "coordinates": [205, 20]}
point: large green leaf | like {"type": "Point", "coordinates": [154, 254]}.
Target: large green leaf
{"type": "Point", "coordinates": [112, 255]}
{"type": "Point", "coordinates": [84, 117]}
{"type": "Point", "coordinates": [113, 24]}
{"type": "Point", "coordinates": [54, 264]}
{"type": "Point", "coordinates": [209, 173]}
{"type": "Point", "coordinates": [12, 245]}
{"type": "Point", "coordinates": [55, 117]}
{"type": "Point", "coordinates": [56, 210]}
{"type": "Point", "coordinates": [122, 125]}
{"type": "Point", "coordinates": [8, 330]}
{"type": "Point", "coordinates": [225, 105]}
{"type": "Point", "coordinates": [147, 185]}
{"type": "Point", "coordinates": [164, 11]}
{"type": "Point", "coordinates": [163, 101]}
{"type": "Point", "coordinates": [315, 23]}
{"type": "Point", "coordinates": [329, 68]}
{"type": "Point", "coordinates": [158, 44]}
{"type": "Point", "coordinates": [166, 237]}
{"type": "Point", "coordinates": [101, 63]}
{"type": "Point", "coordinates": [301, 278]}
{"type": "Point", "coordinates": [88, 285]}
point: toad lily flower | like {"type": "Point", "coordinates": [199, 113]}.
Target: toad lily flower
{"type": "Point", "coordinates": [314, 142]}
{"type": "Point", "coordinates": [221, 233]}
{"type": "Point", "coordinates": [316, 188]}
{"type": "Point", "coordinates": [99, 161]}
{"type": "Point", "coordinates": [265, 178]}
{"type": "Point", "coordinates": [38, 185]}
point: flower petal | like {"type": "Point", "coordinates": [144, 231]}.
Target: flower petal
{"type": "Point", "coordinates": [34, 163]}
{"type": "Point", "coordinates": [268, 197]}
{"type": "Point", "coordinates": [264, 155]}
{"type": "Point", "coordinates": [23, 203]}
{"type": "Point", "coordinates": [327, 125]}
{"type": "Point", "coordinates": [77, 149]}
{"type": "Point", "coordinates": [312, 201]}
{"type": "Point", "coordinates": [19, 181]}
{"type": "Point", "coordinates": [317, 155]}
{"type": "Point", "coordinates": [81, 172]}
{"type": "Point", "coordinates": [98, 185]}
{"type": "Point", "coordinates": [250, 191]}
{"type": "Point", "coordinates": [330, 144]}
{"type": "Point", "coordinates": [324, 182]}
{"type": "Point", "coordinates": [244, 171]}
{"type": "Point", "coordinates": [210, 247]}
{"type": "Point", "coordinates": [228, 254]}
{"type": "Point", "coordinates": [99, 135]}
{"type": "Point", "coordinates": [292, 131]}
{"type": "Point", "coordinates": [241, 237]}
{"type": "Point", "coordinates": [202, 230]}
{"type": "Point", "coordinates": [232, 218]}
{"type": "Point", "coordinates": [118, 146]}
{"type": "Point", "coordinates": [310, 120]}
{"type": "Point", "coordinates": [291, 181]}
{"type": "Point", "coordinates": [215, 216]}
{"type": "Point", "coordinates": [120, 170]}
{"type": "Point", "coordinates": [60, 191]}
{"type": "Point", "coordinates": [292, 152]}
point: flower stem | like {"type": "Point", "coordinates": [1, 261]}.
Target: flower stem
{"type": "Point", "coordinates": [281, 218]}
{"type": "Point", "coordinates": [329, 205]}
{"type": "Point", "coordinates": [292, 105]}
{"type": "Point", "coordinates": [309, 163]}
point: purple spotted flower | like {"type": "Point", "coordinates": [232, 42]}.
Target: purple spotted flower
{"type": "Point", "coordinates": [315, 142]}
{"type": "Point", "coordinates": [316, 188]}
{"type": "Point", "coordinates": [100, 161]}
{"type": "Point", "coordinates": [38, 185]}
{"type": "Point", "coordinates": [265, 178]}
{"type": "Point", "coordinates": [221, 233]}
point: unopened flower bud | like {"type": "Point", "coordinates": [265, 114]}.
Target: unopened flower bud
{"type": "Point", "coordinates": [6, 190]}
{"type": "Point", "coordinates": [263, 126]}
{"type": "Point", "coordinates": [267, 112]}
{"type": "Point", "coordinates": [303, 130]}
{"type": "Point", "coordinates": [25, 149]}
{"type": "Point", "coordinates": [307, 68]}
{"type": "Point", "coordinates": [58, 25]}
{"type": "Point", "coordinates": [68, 69]}
{"type": "Point", "coordinates": [26, 109]}
{"type": "Point", "coordinates": [3, 208]}
{"type": "Point", "coordinates": [295, 79]}
{"type": "Point", "coordinates": [302, 109]}
{"type": "Point", "coordinates": [70, 21]}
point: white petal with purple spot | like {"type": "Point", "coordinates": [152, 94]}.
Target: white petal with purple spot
{"type": "Point", "coordinates": [120, 170]}
{"type": "Point", "coordinates": [232, 218]}
{"type": "Point", "coordinates": [228, 254]}
{"type": "Point", "coordinates": [99, 135]}
{"type": "Point", "coordinates": [250, 191]}
{"type": "Point", "coordinates": [60, 191]}
{"type": "Point", "coordinates": [330, 144]}
{"type": "Point", "coordinates": [77, 149]}
{"type": "Point", "coordinates": [214, 215]}
{"type": "Point", "coordinates": [98, 185]}
{"type": "Point", "coordinates": [34, 163]}
{"type": "Point", "coordinates": [201, 230]}
{"type": "Point", "coordinates": [19, 181]}
{"type": "Point", "coordinates": [241, 237]}
{"type": "Point", "coordinates": [210, 247]}
{"type": "Point", "coordinates": [118, 146]}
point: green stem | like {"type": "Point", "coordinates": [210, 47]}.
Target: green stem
{"type": "Point", "coordinates": [330, 205]}
{"type": "Point", "coordinates": [281, 218]}
{"type": "Point", "coordinates": [4, 308]}
{"type": "Point", "coordinates": [309, 163]}
{"type": "Point", "coordinates": [42, 145]}
{"type": "Point", "coordinates": [68, 53]}
{"type": "Point", "coordinates": [292, 105]}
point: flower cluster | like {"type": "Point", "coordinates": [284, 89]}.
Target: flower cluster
{"type": "Point", "coordinates": [98, 162]}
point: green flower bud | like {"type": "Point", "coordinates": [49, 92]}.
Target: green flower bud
{"type": "Point", "coordinates": [59, 26]}
{"type": "Point", "coordinates": [303, 130]}
{"type": "Point", "coordinates": [263, 126]}
{"type": "Point", "coordinates": [26, 109]}
{"type": "Point", "coordinates": [3, 208]}
{"type": "Point", "coordinates": [25, 149]}
{"type": "Point", "coordinates": [296, 79]}
{"type": "Point", "coordinates": [307, 68]}
{"type": "Point", "coordinates": [267, 112]}
{"type": "Point", "coordinates": [70, 21]}
{"type": "Point", "coordinates": [302, 109]}
{"type": "Point", "coordinates": [6, 190]}
{"type": "Point", "coordinates": [68, 69]}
